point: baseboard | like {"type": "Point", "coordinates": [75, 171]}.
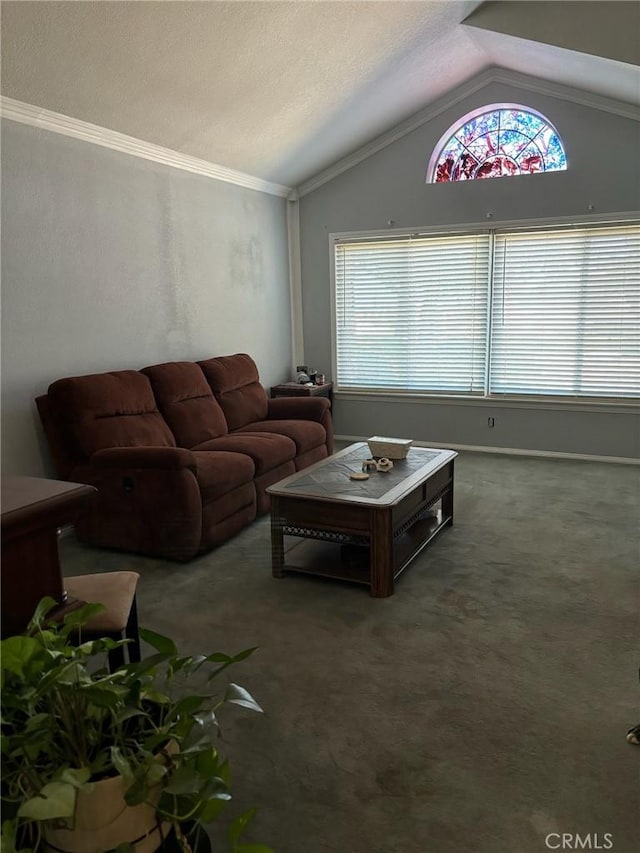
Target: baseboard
{"type": "Point", "coordinates": [511, 451]}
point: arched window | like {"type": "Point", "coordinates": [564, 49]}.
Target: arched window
{"type": "Point", "coordinates": [494, 142]}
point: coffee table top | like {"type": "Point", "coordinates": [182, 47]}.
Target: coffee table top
{"type": "Point", "coordinates": [329, 478]}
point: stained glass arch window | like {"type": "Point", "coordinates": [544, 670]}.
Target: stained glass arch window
{"type": "Point", "coordinates": [497, 141]}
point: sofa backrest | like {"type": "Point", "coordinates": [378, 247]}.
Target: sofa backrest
{"type": "Point", "coordinates": [103, 410]}
{"type": "Point", "coordinates": [186, 402]}
{"type": "Point", "coordinates": [236, 386]}
{"type": "Point", "coordinates": [64, 450]}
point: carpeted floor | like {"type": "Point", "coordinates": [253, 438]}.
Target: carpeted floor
{"type": "Point", "coordinates": [480, 708]}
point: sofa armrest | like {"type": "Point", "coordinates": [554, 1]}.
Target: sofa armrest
{"type": "Point", "coordinates": [148, 501]}
{"type": "Point", "coordinates": [164, 458]}
{"type": "Point", "coordinates": [298, 408]}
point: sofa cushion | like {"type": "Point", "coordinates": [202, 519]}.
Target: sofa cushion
{"type": "Point", "coordinates": [306, 434]}
{"type": "Point", "coordinates": [220, 473]}
{"type": "Point", "coordinates": [114, 409]}
{"type": "Point", "coordinates": [186, 401]}
{"type": "Point", "coordinates": [267, 450]}
{"type": "Point", "coordinates": [226, 516]}
{"type": "Point", "coordinates": [235, 383]}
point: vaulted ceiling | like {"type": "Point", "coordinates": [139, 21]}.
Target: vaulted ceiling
{"type": "Point", "coordinates": [281, 90]}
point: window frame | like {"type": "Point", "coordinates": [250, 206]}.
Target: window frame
{"type": "Point", "coordinates": [531, 401]}
{"type": "Point", "coordinates": [432, 165]}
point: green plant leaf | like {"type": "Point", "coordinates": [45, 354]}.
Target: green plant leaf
{"type": "Point", "coordinates": [57, 799]}
{"type": "Point", "coordinates": [148, 665]}
{"type": "Point", "coordinates": [42, 608]}
{"type": "Point", "coordinates": [187, 706]}
{"type": "Point", "coordinates": [225, 772]}
{"type": "Point", "coordinates": [146, 777]}
{"type": "Point", "coordinates": [91, 648]}
{"type": "Point", "coordinates": [195, 742]}
{"type": "Point", "coordinates": [243, 655]}
{"type": "Point", "coordinates": [238, 826]}
{"type": "Point", "coordinates": [121, 764]}
{"type": "Point", "coordinates": [17, 652]}
{"type": "Point", "coordinates": [35, 722]}
{"type": "Point", "coordinates": [76, 618]}
{"type": "Point", "coordinates": [239, 696]}
{"type": "Point", "coordinates": [153, 743]}
{"type": "Point", "coordinates": [155, 773]}
{"type": "Point", "coordinates": [183, 781]}
{"type": "Point", "coordinates": [212, 809]}
{"type": "Point", "coordinates": [8, 840]}
{"type": "Point", "coordinates": [75, 776]}
{"type": "Point", "coordinates": [129, 713]}
{"type": "Point", "coordinates": [104, 695]}
{"type": "Point", "coordinates": [208, 764]}
{"type": "Point", "coordinates": [188, 663]}
{"type": "Point", "coordinates": [137, 793]}
{"type": "Point", "coordinates": [219, 657]}
{"type": "Point", "coordinates": [163, 644]}
{"type": "Point", "coordinates": [208, 720]}
{"type": "Point", "coordinates": [63, 672]}
{"type": "Point", "coordinates": [152, 695]}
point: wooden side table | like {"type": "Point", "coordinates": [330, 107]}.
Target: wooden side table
{"type": "Point", "coordinates": [295, 389]}
{"type": "Point", "coordinates": [32, 510]}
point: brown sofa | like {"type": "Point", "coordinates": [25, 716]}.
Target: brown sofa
{"type": "Point", "coordinates": [181, 453]}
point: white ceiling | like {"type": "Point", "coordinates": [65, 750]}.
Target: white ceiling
{"type": "Point", "coordinates": [284, 88]}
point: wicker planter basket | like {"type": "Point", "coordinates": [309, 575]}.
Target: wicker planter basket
{"type": "Point", "coordinates": [103, 821]}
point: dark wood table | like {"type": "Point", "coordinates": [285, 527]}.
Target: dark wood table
{"type": "Point", "coordinates": [296, 389]}
{"type": "Point", "coordinates": [32, 510]}
{"type": "Point", "coordinates": [366, 531]}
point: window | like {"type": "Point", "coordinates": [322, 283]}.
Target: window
{"type": "Point", "coordinates": [549, 312]}
{"type": "Point", "coordinates": [495, 142]}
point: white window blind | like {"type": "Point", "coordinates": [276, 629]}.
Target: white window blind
{"type": "Point", "coordinates": [546, 312]}
{"type": "Point", "coordinates": [411, 313]}
{"type": "Point", "coordinates": [566, 313]}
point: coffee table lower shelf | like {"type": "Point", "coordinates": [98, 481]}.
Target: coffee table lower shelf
{"type": "Point", "coordinates": [349, 562]}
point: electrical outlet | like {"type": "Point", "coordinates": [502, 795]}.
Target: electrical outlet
{"type": "Point", "coordinates": [491, 422]}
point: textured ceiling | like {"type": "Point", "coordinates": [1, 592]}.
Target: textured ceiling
{"type": "Point", "coordinates": [281, 90]}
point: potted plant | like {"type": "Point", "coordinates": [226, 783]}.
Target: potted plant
{"type": "Point", "coordinates": [124, 760]}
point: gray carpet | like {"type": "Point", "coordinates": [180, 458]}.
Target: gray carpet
{"type": "Point", "coordinates": [480, 708]}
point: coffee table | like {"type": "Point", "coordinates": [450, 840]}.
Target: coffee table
{"type": "Point", "coordinates": [366, 531]}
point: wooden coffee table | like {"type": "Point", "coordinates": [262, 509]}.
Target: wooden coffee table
{"type": "Point", "coordinates": [366, 531]}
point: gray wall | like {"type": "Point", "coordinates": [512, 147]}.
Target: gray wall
{"type": "Point", "coordinates": [110, 261]}
{"type": "Point", "coordinates": [603, 171]}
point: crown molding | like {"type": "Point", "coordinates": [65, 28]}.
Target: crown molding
{"type": "Point", "coordinates": [491, 75]}
{"type": "Point", "coordinates": [65, 125]}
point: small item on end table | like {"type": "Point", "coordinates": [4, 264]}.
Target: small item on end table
{"type": "Point", "coordinates": [358, 475]}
